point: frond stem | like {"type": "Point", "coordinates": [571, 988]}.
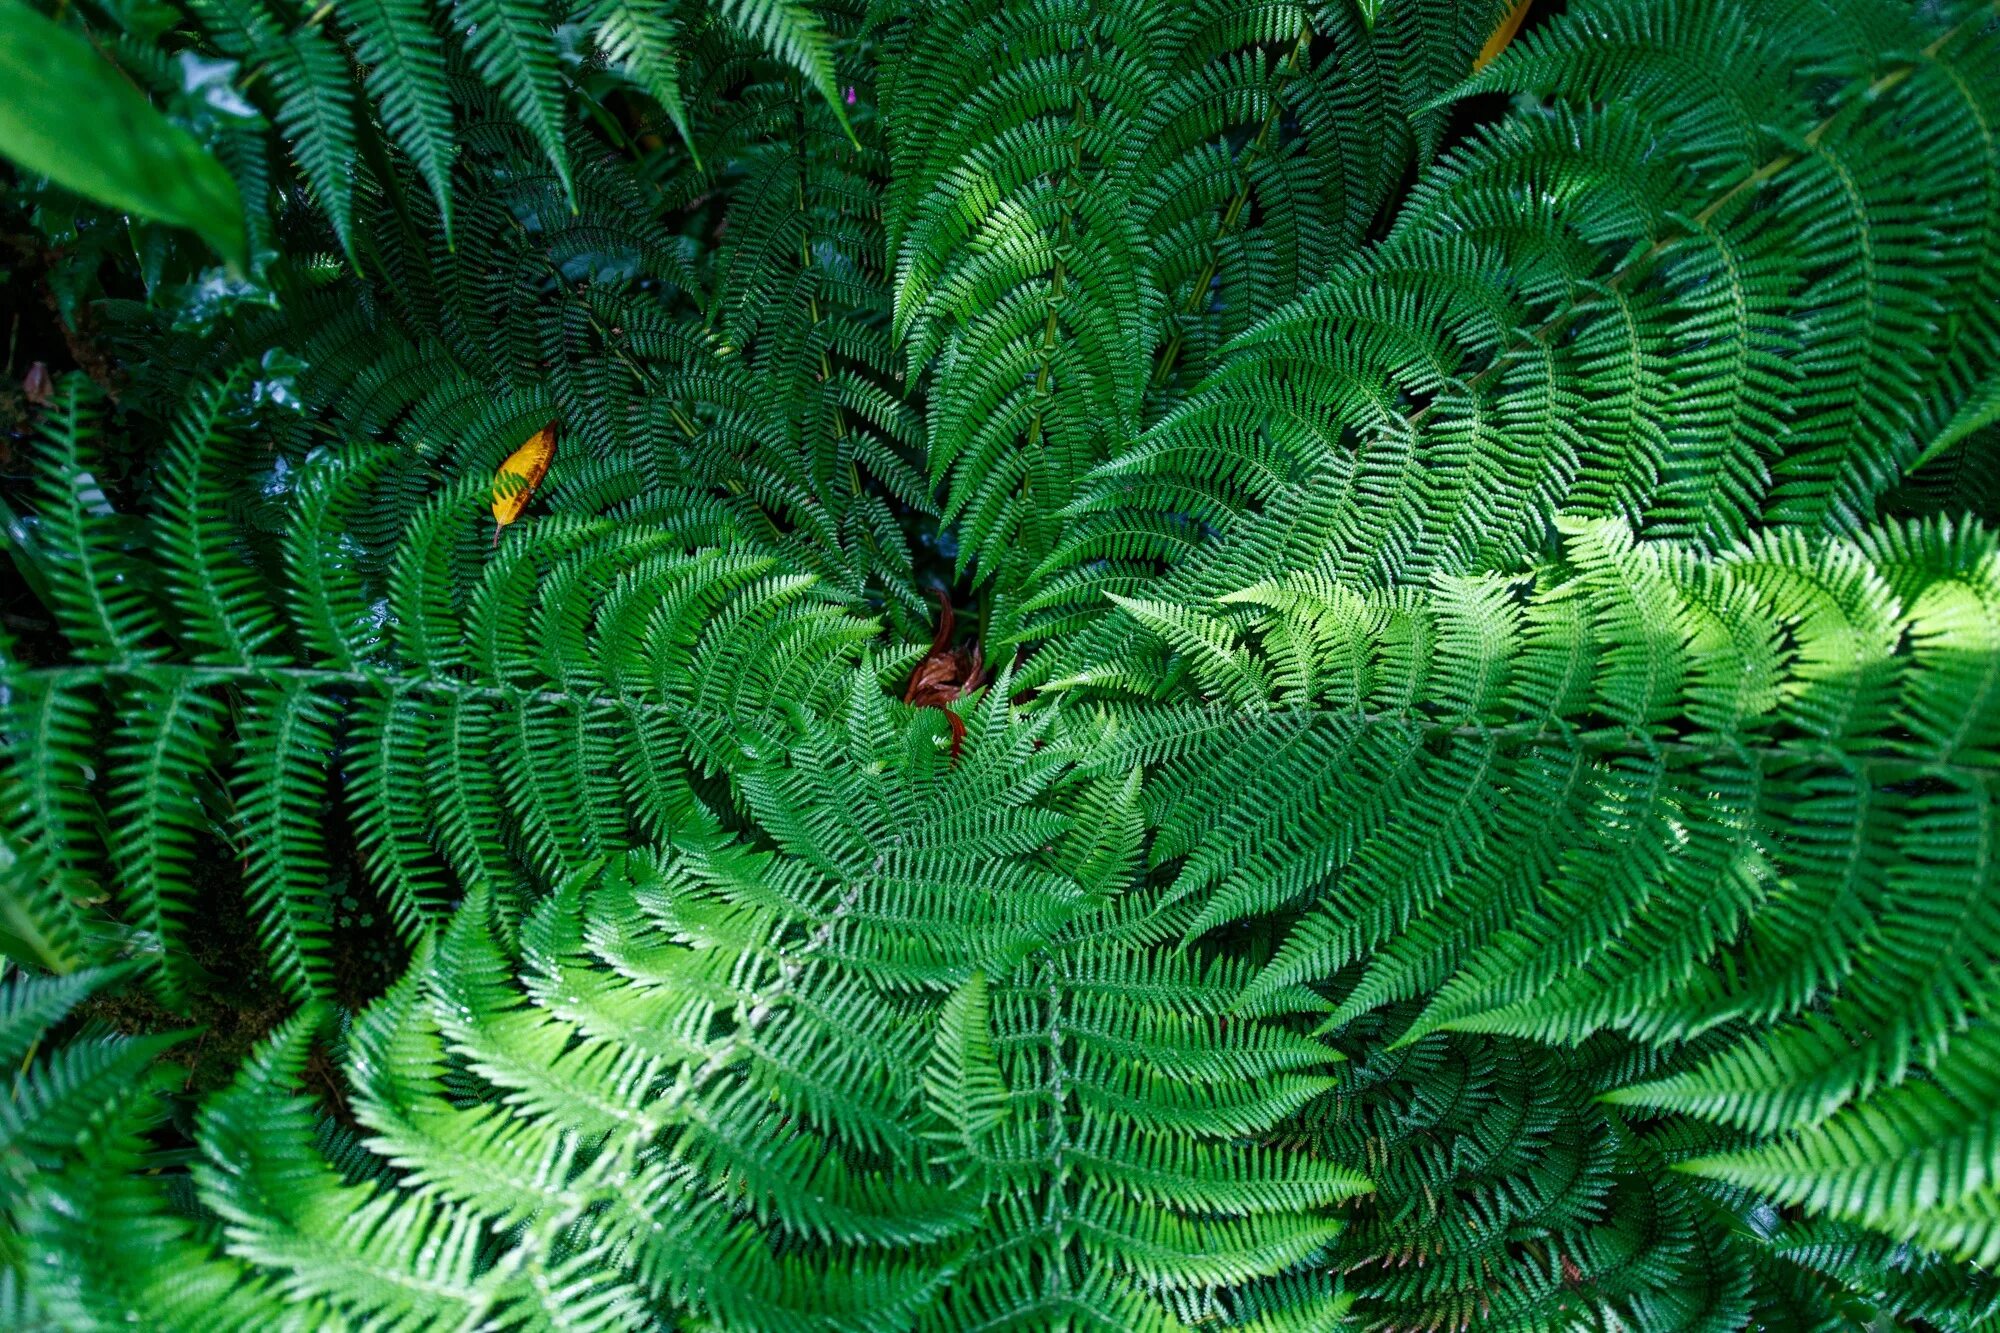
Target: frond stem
{"type": "Point", "coordinates": [194, 676]}
{"type": "Point", "coordinates": [1626, 740]}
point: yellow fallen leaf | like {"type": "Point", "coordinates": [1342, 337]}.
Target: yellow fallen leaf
{"type": "Point", "coordinates": [514, 484]}
{"type": "Point", "coordinates": [1502, 35]}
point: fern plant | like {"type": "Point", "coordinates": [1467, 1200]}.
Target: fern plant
{"type": "Point", "coordinates": [1479, 520]}
{"type": "Point", "coordinates": [904, 1011]}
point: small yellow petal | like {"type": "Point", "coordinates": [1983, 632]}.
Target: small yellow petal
{"type": "Point", "coordinates": [514, 484]}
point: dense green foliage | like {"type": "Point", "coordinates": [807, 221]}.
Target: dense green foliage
{"type": "Point", "coordinates": [1482, 805]}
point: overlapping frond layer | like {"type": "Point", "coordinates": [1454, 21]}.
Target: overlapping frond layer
{"type": "Point", "coordinates": [1086, 200]}
{"type": "Point", "coordinates": [73, 1148]}
{"type": "Point", "coordinates": [909, 1055]}
{"type": "Point", "coordinates": [1017, 264]}
{"type": "Point", "coordinates": [1507, 1200]}
{"type": "Point", "coordinates": [860, 1027]}
{"type": "Point", "coordinates": [497, 718]}
{"type": "Point", "coordinates": [1746, 799]}
{"type": "Point", "coordinates": [1725, 264]}
{"type": "Point", "coordinates": [1509, 1197]}
{"type": "Point", "coordinates": [424, 66]}
{"type": "Point", "coordinates": [750, 393]}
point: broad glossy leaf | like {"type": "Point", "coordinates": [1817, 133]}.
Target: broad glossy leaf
{"type": "Point", "coordinates": [129, 157]}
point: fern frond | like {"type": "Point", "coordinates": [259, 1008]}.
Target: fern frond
{"type": "Point", "coordinates": [509, 44]}
{"type": "Point", "coordinates": [396, 42]}
{"type": "Point", "coordinates": [1915, 1161]}
{"type": "Point", "coordinates": [217, 594]}
{"type": "Point", "coordinates": [98, 601]}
